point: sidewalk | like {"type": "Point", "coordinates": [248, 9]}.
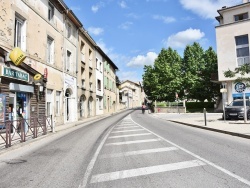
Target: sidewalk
{"type": "Point", "coordinates": [214, 122]}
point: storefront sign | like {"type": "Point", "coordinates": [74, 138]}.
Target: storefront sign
{"type": "Point", "coordinates": [17, 56]}
{"type": "Point", "coordinates": [12, 73]}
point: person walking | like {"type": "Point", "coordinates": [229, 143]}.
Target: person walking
{"type": "Point", "coordinates": [143, 108]}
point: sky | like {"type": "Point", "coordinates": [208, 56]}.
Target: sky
{"type": "Point", "coordinates": [133, 32]}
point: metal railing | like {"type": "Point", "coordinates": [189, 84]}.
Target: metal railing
{"type": "Point", "coordinates": [23, 129]}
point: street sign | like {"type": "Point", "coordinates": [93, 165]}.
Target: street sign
{"type": "Point", "coordinates": [240, 87]}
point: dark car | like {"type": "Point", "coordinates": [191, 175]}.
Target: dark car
{"type": "Point", "coordinates": [235, 110]}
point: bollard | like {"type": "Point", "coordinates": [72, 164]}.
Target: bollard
{"type": "Point", "coordinates": [205, 118]}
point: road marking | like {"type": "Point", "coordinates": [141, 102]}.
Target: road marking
{"type": "Point", "coordinates": [247, 182]}
{"type": "Point", "coordinates": [140, 152]}
{"type": "Point", "coordinates": [127, 131]}
{"type": "Point", "coordinates": [132, 142]}
{"type": "Point", "coordinates": [144, 171]}
{"type": "Point", "coordinates": [126, 127]}
{"type": "Point", "coordinates": [129, 135]}
{"type": "Point", "coordinates": [92, 162]}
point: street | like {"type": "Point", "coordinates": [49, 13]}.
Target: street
{"type": "Point", "coordinates": [129, 150]}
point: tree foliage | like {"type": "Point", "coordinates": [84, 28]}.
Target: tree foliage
{"type": "Point", "coordinates": [241, 73]}
{"type": "Point", "coordinates": [188, 76]}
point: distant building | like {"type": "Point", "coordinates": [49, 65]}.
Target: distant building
{"type": "Point", "coordinates": [132, 94]}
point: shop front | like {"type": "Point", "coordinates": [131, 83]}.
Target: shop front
{"type": "Point", "coordinates": [21, 96]}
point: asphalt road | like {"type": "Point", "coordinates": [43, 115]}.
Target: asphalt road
{"type": "Point", "coordinates": [134, 150]}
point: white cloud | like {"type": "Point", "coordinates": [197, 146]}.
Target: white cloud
{"type": "Point", "coordinates": [207, 8]}
{"type": "Point", "coordinates": [103, 46]}
{"type": "Point", "coordinates": [126, 25]}
{"type": "Point", "coordinates": [129, 75]}
{"type": "Point", "coordinates": [123, 4]}
{"type": "Point", "coordinates": [140, 60]}
{"type": "Point", "coordinates": [132, 15]}
{"type": "Point", "coordinates": [165, 19]}
{"type": "Point", "coordinates": [95, 30]}
{"type": "Point", "coordinates": [182, 38]}
{"type": "Point", "coordinates": [96, 7]}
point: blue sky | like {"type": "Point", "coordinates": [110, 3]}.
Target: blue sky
{"type": "Point", "coordinates": [133, 32]}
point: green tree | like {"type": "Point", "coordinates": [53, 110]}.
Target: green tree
{"type": "Point", "coordinates": [241, 73]}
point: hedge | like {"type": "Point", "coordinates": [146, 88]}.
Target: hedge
{"type": "Point", "coordinates": [195, 105]}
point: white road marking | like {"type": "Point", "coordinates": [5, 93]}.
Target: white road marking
{"type": "Point", "coordinates": [140, 152]}
{"type": "Point", "coordinates": [92, 162]}
{"type": "Point", "coordinates": [129, 135]}
{"type": "Point", "coordinates": [127, 131]}
{"type": "Point", "coordinates": [243, 180]}
{"type": "Point", "coordinates": [126, 127]}
{"type": "Point", "coordinates": [132, 142]}
{"type": "Point", "coordinates": [144, 171]}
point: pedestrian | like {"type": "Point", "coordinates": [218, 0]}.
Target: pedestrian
{"type": "Point", "coordinates": [143, 108]}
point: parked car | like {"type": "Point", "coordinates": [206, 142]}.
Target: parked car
{"type": "Point", "coordinates": [235, 110]}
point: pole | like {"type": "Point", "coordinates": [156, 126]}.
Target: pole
{"type": "Point", "coordinates": [205, 116]}
{"type": "Point", "coordinates": [245, 109]}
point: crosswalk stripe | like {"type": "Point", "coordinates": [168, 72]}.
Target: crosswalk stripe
{"type": "Point", "coordinates": [127, 131]}
{"type": "Point", "coordinates": [129, 135]}
{"type": "Point", "coordinates": [145, 171]}
{"type": "Point", "coordinates": [126, 127]}
{"type": "Point", "coordinates": [133, 142]}
{"type": "Point", "coordinates": [140, 152]}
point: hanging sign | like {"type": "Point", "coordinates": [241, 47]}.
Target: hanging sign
{"type": "Point", "coordinates": [17, 56]}
{"type": "Point", "coordinates": [37, 77]}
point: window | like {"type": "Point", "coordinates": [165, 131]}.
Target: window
{"type": "Point", "coordinates": [68, 60]}
{"type": "Point", "coordinates": [83, 84]}
{"type": "Point", "coordinates": [20, 31]}
{"type": "Point", "coordinates": [90, 59]}
{"type": "Point", "coordinates": [99, 84]}
{"type": "Point", "coordinates": [241, 17]}
{"type": "Point", "coordinates": [58, 102]}
{"type": "Point", "coordinates": [242, 49]}
{"type": "Point", "coordinates": [69, 30]}
{"type": "Point", "coordinates": [50, 12]}
{"type": "Point", "coordinates": [50, 99]}
{"type": "Point", "coordinates": [100, 103]}
{"type": "Point", "coordinates": [50, 50]}
{"type": "Point", "coordinates": [90, 87]}
{"type": "Point", "coordinates": [96, 63]}
{"type": "Point", "coordinates": [100, 66]}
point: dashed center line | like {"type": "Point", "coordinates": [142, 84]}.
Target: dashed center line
{"type": "Point", "coordinates": [144, 171]}
{"type": "Point", "coordinates": [133, 142]}
{"type": "Point", "coordinates": [140, 152]}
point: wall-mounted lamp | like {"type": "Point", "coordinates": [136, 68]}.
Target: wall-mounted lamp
{"type": "Point", "coordinates": [40, 91]}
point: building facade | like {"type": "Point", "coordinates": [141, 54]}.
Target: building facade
{"type": "Point", "coordinates": [232, 38]}
{"type": "Point", "coordinates": [99, 80]}
{"type": "Point", "coordinates": [110, 94]}
{"type": "Point", "coordinates": [132, 94]}
{"type": "Point", "coordinates": [86, 76]}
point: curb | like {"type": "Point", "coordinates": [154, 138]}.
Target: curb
{"type": "Point", "coordinates": [212, 129]}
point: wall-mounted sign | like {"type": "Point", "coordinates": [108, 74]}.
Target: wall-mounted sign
{"type": "Point", "coordinates": [12, 73]}
{"type": "Point", "coordinates": [17, 56]}
{"type": "Point", "coordinates": [240, 87]}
